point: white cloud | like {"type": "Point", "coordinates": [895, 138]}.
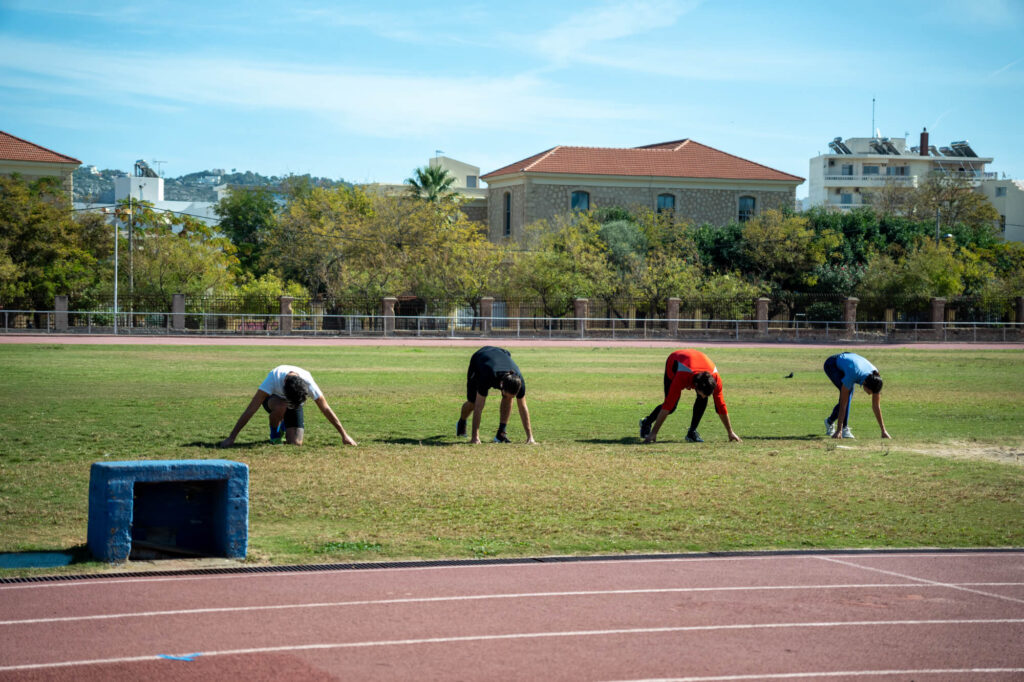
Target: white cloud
{"type": "Point", "coordinates": [579, 33]}
{"type": "Point", "coordinates": [380, 104]}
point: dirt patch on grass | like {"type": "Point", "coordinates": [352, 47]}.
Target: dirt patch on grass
{"type": "Point", "coordinates": [1007, 454]}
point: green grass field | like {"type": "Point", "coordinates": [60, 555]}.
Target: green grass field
{"type": "Point", "coordinates": [952, 476]}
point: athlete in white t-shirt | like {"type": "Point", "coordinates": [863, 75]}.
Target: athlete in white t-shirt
{"type": "Point", "coordinates": [282, 394]}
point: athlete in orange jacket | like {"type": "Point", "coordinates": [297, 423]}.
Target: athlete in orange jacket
{"type": "Point", "coordinates": [686, 369]}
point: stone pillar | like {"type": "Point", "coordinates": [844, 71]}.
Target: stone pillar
{"type": "Point", "coordinates": [286, 314]}
{"type": "Point", "coordinates": [672, 315]}
{"type": "Point", "coordinates": [850, 313]}
{"type": "Point", "coordinates": [938, 312]}
{"type": "Point", "coordinates": [60, 307]}
{"type": "Point", "coordinates": [762, 315]}
{"type": "Point", "coordinates": [486, 311]}
{"type": "Point", "coordinates": [580, 307]}
{"type": "Point", "coordinates": [388, 312]}
{"type": "Point", "coordinates": [178, 312]}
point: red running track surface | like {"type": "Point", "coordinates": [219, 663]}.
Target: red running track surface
{"type": "Point", "coordinates": [843, 616]}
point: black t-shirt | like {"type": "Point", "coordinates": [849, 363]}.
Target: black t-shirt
{"type": "Point", "coordinates": [487, 366]}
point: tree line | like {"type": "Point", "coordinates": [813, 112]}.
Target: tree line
{"type": "Point", "coordinates": [351, 247]}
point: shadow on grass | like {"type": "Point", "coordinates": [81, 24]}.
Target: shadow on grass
{"type": "Point", "coordinates": [625, 440]}
{"type": "Point", "coordinates": [51, 558]}
{"type": "Point", "coordinates": [809, 436]}
{"type": "Point", "coordinates": [213, 445]}
{"type": "Point", "coordinates": [431, 440]}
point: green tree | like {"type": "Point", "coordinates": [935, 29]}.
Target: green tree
{"type": "Point", "coordinates": [954, 199]}
{"type": "Point", "coordinates": [432, 184]}
{"type": "Point", "coordinates": [245, 216]}
{"type": "Point", "coordinates": [784, 250]}
{"type": "Point", "coordinates": [179, 255]}
{"type": "Point", "coordinates": [41, 253]}
{"type": "Point", "coordinates": [561, 260]}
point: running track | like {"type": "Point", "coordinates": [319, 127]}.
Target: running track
{"type": "Point", "coordinates": [841, 616]}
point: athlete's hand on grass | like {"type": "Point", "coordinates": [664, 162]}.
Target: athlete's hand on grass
{"type": "Point", "coordinates": [475, 441]}
{"type": "Point", "coordinates": [531, 441]}
{"type": "Point", "coordinates": [885, 434]}
{"type": "Point", "coordinates": [733, 437]}
{"type": "Point", "coordinates": [226, 443]}
{"type": "Point", "coordinates": [347, 440]}
{"type": "Point", "coordinates": [650, 439]}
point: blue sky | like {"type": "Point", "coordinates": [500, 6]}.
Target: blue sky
{"type": "Point", "coordinates": [369, 91]}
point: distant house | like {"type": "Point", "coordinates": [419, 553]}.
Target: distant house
{"type": "Point", "coordinates": [472, 197]}
{"type": "Point", "coordinates": [694, 181]}
{"type": "Point", "coordinates": [33, 161]}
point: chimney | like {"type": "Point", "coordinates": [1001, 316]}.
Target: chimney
{"type": "Point", "coordinates": [924, 142]}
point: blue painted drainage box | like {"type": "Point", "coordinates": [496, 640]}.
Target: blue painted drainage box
{"type": "Point", "coordinates": [168, 508]}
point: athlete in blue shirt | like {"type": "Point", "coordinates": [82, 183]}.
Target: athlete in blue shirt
{"type": "Point", "coordinates": [844, 371]}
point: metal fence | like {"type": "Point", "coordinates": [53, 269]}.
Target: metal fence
{"type": "Point", "coordinates": [501, 326]}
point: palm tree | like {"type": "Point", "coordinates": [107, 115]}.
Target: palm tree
{"type": "Point", "coordinates": [431, 183]}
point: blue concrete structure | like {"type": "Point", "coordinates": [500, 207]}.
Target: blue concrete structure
{"type": "Point", "coordinates": [194, 507]}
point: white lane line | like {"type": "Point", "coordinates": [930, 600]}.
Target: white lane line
{"type": "Point", "coordinates": [478, 597]}
{"type": "Point", "coordinates": [456, 598]}
{"type": "Point", "coordinates": [835, 673]}
{"type": "Point", "coordinates": [925, 581]}
{"type": "Point", "coordinates": [515, 636]}
{"type": "Point", "coordinates": [533, 564]}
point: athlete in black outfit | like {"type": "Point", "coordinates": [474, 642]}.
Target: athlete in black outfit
{"type": "Point", "coordinates": [492, 367]}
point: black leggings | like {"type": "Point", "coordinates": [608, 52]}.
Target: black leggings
{"type": "Point", "coordinates": [699, 405]}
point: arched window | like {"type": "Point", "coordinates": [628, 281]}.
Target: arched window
{"type": "Point", "coordinates": [666, 202]}
{"type": "Point", "coordinates": [747, 207]}
{"type": "Point", "coordinates": [580, 201]}
{"type": "Point", "coordinates": [508, 214]}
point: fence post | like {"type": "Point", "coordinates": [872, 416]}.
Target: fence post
{"type": "Point", "coordinates": [60, 307]}
{"type": "Point", "coordinates": [938, 312]}
{"type": "Point", "coordinates": [286, 315]}
{"type": "Point", "coordinates": [850, 312]}
{"type": "Point", "coordinates": [486, 311]}
{"type": "Point", "coordinates": [672, 313]}
{"type": "Point", "coordinates": [388, 311]}
{"type": "Point", "coordinates": [580, 308]}
{"type": "Point", "coordinates": [178, 312]}
{"type": "Point", "coordinates": [762, 315]}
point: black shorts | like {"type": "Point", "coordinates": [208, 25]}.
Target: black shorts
{"type": "Point", "coordinates": [293, 418]}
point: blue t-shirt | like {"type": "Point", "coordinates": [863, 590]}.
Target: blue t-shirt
{"type": "Point", "coordinates": [855, 369]}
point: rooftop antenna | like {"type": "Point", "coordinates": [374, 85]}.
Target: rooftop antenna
{"type": "Point", "coordinates": [158, 170]}
{"type": "Point", "coordinates": [872, 115]}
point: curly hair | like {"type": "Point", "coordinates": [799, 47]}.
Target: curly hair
{"type": "Point", "coordinates": [296, 390]}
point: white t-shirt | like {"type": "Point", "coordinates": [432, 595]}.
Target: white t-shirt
{"type": "Point", "coordinates": [274, 383]}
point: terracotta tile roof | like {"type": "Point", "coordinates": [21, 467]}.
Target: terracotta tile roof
{"type": "Point", "coordinates": [676, 159]}
{"type": "Point", "coordinates": [16, 149]}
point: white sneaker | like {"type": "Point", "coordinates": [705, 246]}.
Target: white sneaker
{"type": "Point", "coordinates": [847, 433]}
{"type": "Point", "coordinates": [830, 428]}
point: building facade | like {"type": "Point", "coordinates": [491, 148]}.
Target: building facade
{"type": "Point", "coordinates": [695, 182]}
{"type": "Point", "coordinates": [1007, 197]}
{"type": "Point", "coordinates": [856, 168]}
{"type": "Point", "coordinates": [33, 162]}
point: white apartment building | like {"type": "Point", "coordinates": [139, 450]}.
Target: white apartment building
{"type": "Point", "coordinates": [1007, 197]}
{"type": "Point", "coordinates": [858, 166]}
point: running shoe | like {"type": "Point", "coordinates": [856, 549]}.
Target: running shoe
{"type": "Point", "coordinates": [847, 433]}
{"type": "Point", "coordinates": [830, 428]}
{"type": "Point", "coordinates": [501, 438]}
{"type": "Point", "coordinates": [645, 429]}
{"type": "Point", "coordinates": [460, 429]}
{"type": "Point", "coordinates": [693, 437]}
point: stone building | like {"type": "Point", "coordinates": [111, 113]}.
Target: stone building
{"type": "Point", "coordinates": [33, 162]}
{"type": "Point", "coordinates": [696, 182]}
